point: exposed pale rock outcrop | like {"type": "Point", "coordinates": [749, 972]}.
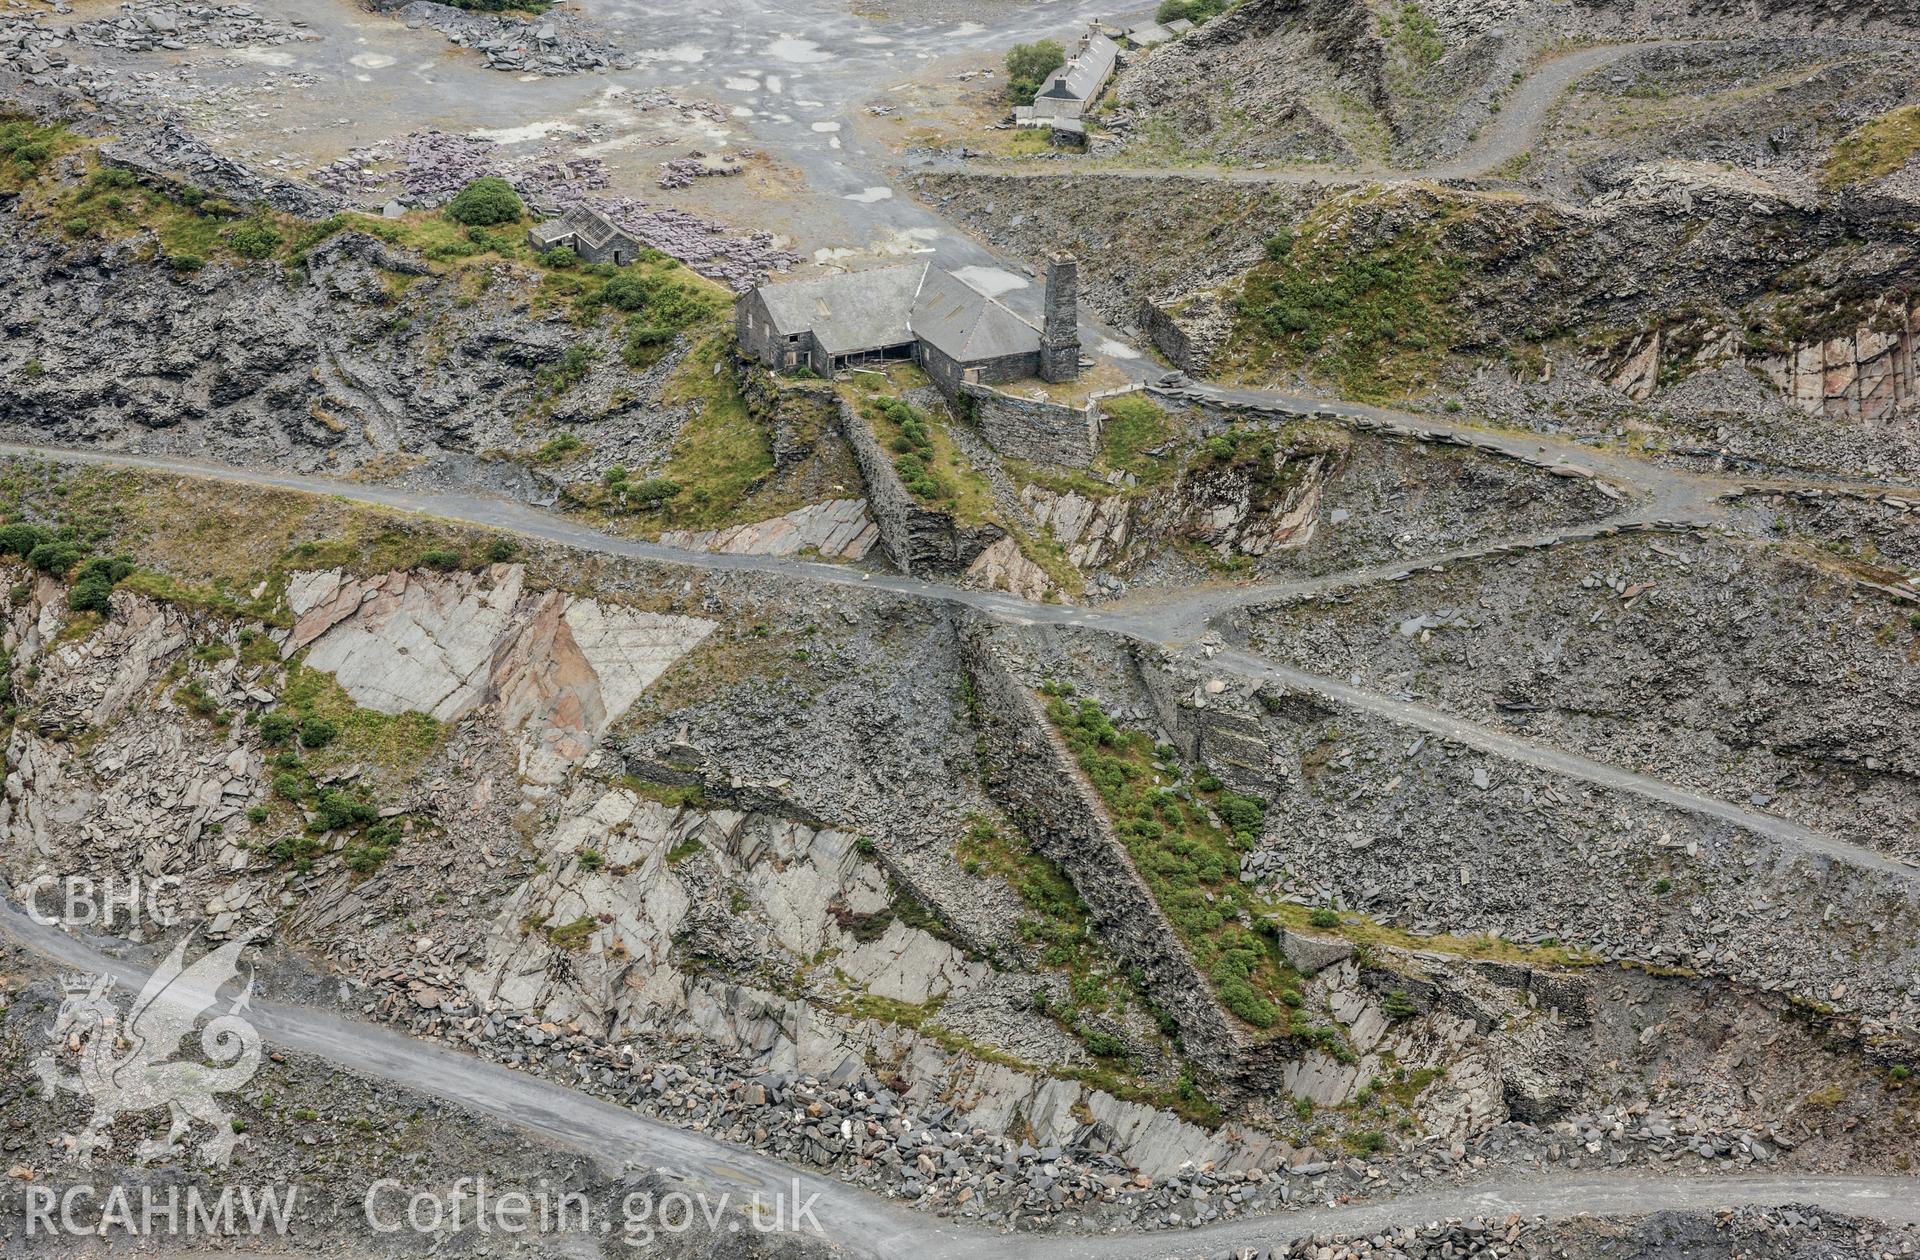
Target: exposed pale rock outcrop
{"type": "Point", "coordinates": [560, 669]}
{"type": "Point", "coordinates": [838, 529]}
{"type": "Point", "coordinates": [1002, 567]}
{"type": "Point", "coordinates": [1863, 375]}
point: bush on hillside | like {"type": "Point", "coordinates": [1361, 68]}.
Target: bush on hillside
{"type": "Point", "coordinates": [1029, 64]}
{"type": "Point", "coordinates": [485, 202]}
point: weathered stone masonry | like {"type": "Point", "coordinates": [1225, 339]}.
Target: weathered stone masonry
{"type": "Point", "coordinates": [917, 540]}
{"type": "Point", "coordinates": [1033, 429]}
{"type": "Point", "coordinates": [1036, 780]}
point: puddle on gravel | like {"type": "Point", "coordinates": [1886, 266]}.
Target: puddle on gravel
{"type": "Point", "coordinates": [799, 51]}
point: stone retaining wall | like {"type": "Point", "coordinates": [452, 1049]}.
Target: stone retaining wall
{"type": "Point", "coordinates": [1033, 429]}
{"type": "Point", "coordinates": [1038, 783]}
{"type": "Point", "coordinates": [1189, 338]}
{"type": "Point", "coordinates": [918, 541]}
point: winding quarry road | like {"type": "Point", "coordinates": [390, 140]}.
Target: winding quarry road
{"type": "Point", "coordinates": [1511, 133]}
{"type": "Point", "coordinates": [1170, 624]}
{"type": "Point", "coordinates": [865, 1224]}
{"type": "Point", "coordinates": [860, 1222]}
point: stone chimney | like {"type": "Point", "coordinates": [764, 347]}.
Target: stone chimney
{"type": "Point", "coordinates": [1060, 334]}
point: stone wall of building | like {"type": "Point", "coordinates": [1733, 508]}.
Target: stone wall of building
{"type": "Point", "coordinates": [1033, 429]}
{"type": "Point", "coordinates": [951, 376]}
{"type": "Point", "coordinates": [1188, 332]}
{"type": "Point", "coordinates": [1036, 780]}
{"type": "Point", "coordinates": [916, 539]}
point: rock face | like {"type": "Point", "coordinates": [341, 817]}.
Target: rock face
{"type": "Point", "coordinates": [1330, 81]}
{"type": "Point", "coordinates": [253, 364]}
{"type": "Point", "coordinates": [625, 933]}
{"type": "Point", "coordinates": [838, 529]}
{"type": "Point", "coordinates": [1652, 276]}
{"type": "Point", "coordinates": [560, 670]}
{"type": "Point", "coordinates": [1278, 55]}
{"type": "Point", "coordinates": [1596, 646]}
{"type": "Point", "coordinates": [1317, 497]}
{"type": "Point", "coordinates": [1001, 567]}
{"type": "Point", "coordinates": [1865, 375]}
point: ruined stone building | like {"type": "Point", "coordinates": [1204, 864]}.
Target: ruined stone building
{"type": "Point", "coordinates": [588, 233]}
{"type": "Point", "coordinates": [914, 312]}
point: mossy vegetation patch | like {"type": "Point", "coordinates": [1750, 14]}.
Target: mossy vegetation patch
{"type": "Point", "coordinates": [1875, 149]}
{"type": "Point", "coordinates": [1370, 309]}
{"type": "Point", "coordinates": [1186, 834]}
{"type": "Point", "coordinates": [927, 458]}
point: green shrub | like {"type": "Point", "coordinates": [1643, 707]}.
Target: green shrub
{"type": "Point", "coordinates": [256, 238]}
{"type": "Point", "coordinates": [1366, 1142]}
{"type": "Point", "coordinates": [440, 558]}
{"type": "Point", "coordinates": [1244, 815]}
{"type": "Point", "coordinates": [557, 448]}
{"type": "Point", "coordinates": [20, 538]}
{"type": "Point", "coordinates": [187, 263]}
{"type": "Point", "coordinates": [486, 201]}
{"type": "Point", "coordinates": [502, 550]}
{"type": "Point", "coordinates": [277, 727]}
{"type": "Point", "coordinates": [1279, 245]}
{"type": "Point", "coordinates": [1324, 917]}
{"type": "Point", "coordinates": [55, 557]}
{"type": "Point", "coordinates": [93, 584]}
{"type": "Point", "coordinates": [336, 809]}
{"type": "Point", "coordinates": [560, 258]}
{"type": "Point", "coordinates": [1239, 996]}
{"type": "Point", "coordinates": [652, 490]}
{"type": "Point", "coordinates": [1028, 65]}
{"type": "Point", "coordinates": [318, 732]}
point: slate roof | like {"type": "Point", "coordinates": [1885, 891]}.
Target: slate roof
{"type": "Point", "coordinates": [1080, 79]}
{"type": "Point", "coordinates": [592, 227]}
{"type": "Point", "coordinates": [965, 324]}
{"type": "Point", "coordinates": [860, 310]}
{"type": "Point", "coordinates": [890, 306]}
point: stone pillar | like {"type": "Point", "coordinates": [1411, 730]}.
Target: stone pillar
{"type": "Point", "coordinates": [1060, 333]}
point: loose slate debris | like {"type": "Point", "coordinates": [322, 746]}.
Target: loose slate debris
{"type": "Point", "coordinates": [549, 44]}
{"type": "Point", "coordinates": [680, 172]}
{"type": "Point", "coordinates": [430, 166]}
{"type": "Point", "coordinates": [34, 49]}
